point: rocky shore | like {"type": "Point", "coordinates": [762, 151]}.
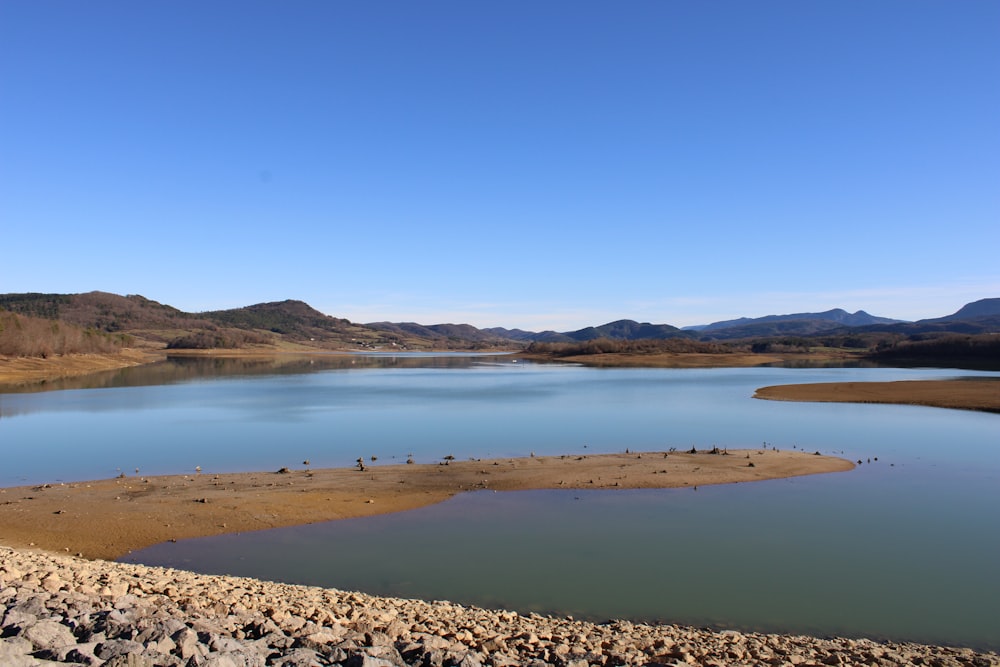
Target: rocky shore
{"type": "Point", "coordinates": [61, 609]}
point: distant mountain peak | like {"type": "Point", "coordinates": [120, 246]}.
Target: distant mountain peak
{"type": "Point", "coordinates": [790, 324]}
{"type": "Point", "coordinates": [981, 308]}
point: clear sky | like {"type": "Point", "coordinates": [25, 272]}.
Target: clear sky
{"type": "Point", "coordinates": [533, 164]}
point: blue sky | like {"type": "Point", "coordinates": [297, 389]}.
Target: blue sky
{"type": "Point", "coordinates": [541, 165]}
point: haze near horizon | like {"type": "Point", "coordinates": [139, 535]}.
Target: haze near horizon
{"type": "Point", "coordinates": [524, 165]}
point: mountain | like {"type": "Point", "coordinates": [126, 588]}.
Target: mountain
{"type": "Point", "coordinates": [984, 308]}
{"type": "Point", "coordinates": [102, 311]}
{"type": "Point", "coordinates": [512, 334]}
{"type": "Point", "coordinates": [296, 323]}
{"type": "Point", "coordinates": [795, 324]}
{"type": "Point", "coordinates": [456, 336]}
{"type": "Point", "coordinates": [627, 330]}
{"type": "Point", "coordinates": [978, 317]}
{"type": "Point", "coordinates": [292, 318]}
{"type": "Point", "coordinates": [157, 324]}
{"type": "Point", "coordinates": [836, 316]}
{"type": "Point", "coordinates": [618, 330]}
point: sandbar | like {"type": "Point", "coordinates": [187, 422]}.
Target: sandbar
{"type": "Point", "coordinates": [106, 519]}
{"type": "Point", "coordinates": [963, 394]}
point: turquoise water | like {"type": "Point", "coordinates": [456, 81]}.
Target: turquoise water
{"type": "Point", "coordinates": [904, 547]}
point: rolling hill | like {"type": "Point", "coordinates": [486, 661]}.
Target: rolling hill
{"type": "Point", "coordinates": [153, 323]}
{"type": "Point", "coordinates": [296, 323]}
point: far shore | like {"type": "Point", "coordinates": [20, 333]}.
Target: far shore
{"type": "Point", "coordinates": [107, 519]}
{"type": "Point", "coordinates": [19, 371]}
{"type": "Point", "coordinates": [699, 359]}
{"type": "Point", "coordinates": [963, 394]}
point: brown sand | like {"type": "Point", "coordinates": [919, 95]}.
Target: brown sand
{"type": "Point", "coordinates": [27, 370]}
{"type": "Point", "coordinates": [108, 518]}
{"type": "Point", "coordinates": [978, 394]}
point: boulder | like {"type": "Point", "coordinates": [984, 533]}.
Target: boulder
{"type": "Point", "coordinates": [47, 634]}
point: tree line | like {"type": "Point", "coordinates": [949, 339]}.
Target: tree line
{"type": "Point", "coordinates": [980, 351]}
{"type": "Point", "coordinates": [639, 346]}
{"type": "Point", "coordinates": [230, 339]}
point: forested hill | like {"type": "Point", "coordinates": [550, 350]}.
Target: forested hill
{"type": "Point", "coordinates": [266, 324]}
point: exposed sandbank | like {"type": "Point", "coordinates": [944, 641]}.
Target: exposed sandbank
{"type": "Point", "coordinates": [967, 394]}
{"type": "Point", "coordinates": [108, 518]}
{"type": "Point", "coordinates": [27, 370]}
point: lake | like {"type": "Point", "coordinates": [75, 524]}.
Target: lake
{"type": "Point", "coordinates": [904, 547]}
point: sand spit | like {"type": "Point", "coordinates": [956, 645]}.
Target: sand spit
{"type": "Point", "coordinates": [108, 518]}
{"type": "Point", "coordinates": [60, 609]}
{"type": "Point", "coordinates": [966, 394]}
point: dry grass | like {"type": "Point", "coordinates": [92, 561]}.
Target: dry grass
{"type": "Point", "coordinates": [24, 336]}
{"type": "Point", "coordinates": [28, 370]}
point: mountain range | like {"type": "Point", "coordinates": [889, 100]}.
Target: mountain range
{"type": "Point", "coordinates": [293, 322]}
{"type": "Point", "coordinates": [837, 316]}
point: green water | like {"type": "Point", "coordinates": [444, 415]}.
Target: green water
{"type": "Point", "coordinates": [904, 547]}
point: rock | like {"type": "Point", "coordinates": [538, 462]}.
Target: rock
{"type": "Point", "coordinates": [60, 610]}
{"type": "Point", "coordinates": [83, 654]}
{"type": "Point", "coordinates": [130, 660]}
{"type": "Point", "coordinates": [52, 583]}
{"type": "Point", "coordinates": [16, 651]}
{"type": "Point", "coordinates": [49, 635]}
{"type": "Point", "coordinates": [363, 660]}
{"type": "Point", "coordinates": [299, 657]}
{"type": "Point", "coordinates": [469, 660]}
{"type": "Point", "coordinates": [187, 643]}
{"type": "Point", "coordinates": [117, 647]}
{"type": "Point", "coordinates": [15, 618]}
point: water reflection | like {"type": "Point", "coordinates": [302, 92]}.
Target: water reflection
{"type": "Point", "coordinates": [821, 556]}
{"type": "Point", "coordinates": [262, 414]}
{"type": "Point", "coordinates": [921, 525]}
{"type": "Point", "coordinates": [185, 368]}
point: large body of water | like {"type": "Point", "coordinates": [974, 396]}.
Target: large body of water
{"type": "Point", "coordinates": [903, 547]}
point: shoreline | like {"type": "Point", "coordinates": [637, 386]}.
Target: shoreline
{"type": "Point", "coordinates": [981, 394]}
{"type": "Point", "coordinates": [697, 359]}
{"type": "Point", "coordinates": [354, 628]}
{"type": "Point", "coordinates": [66, 609]}
{"type": "Point", "coordinates": [106, 519]}
{"type": "Point", "coordinates": [22, 371]}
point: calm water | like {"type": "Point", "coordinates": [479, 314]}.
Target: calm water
{"type": "Point", "coordinates": [905, 547]}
